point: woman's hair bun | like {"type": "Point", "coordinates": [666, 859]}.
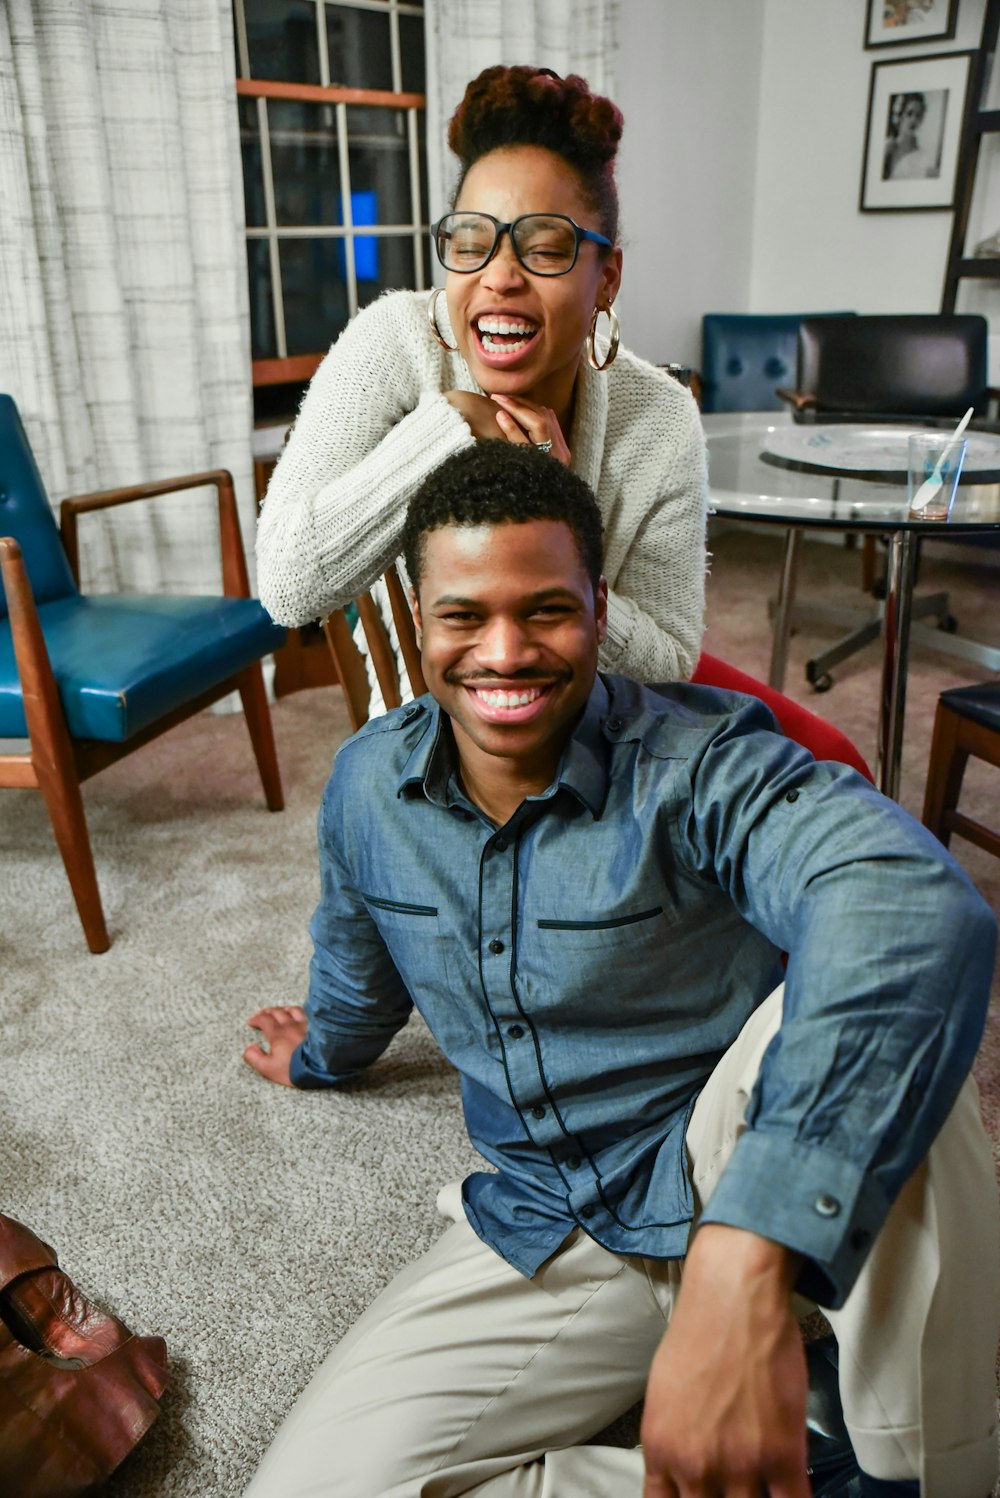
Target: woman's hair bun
{"type": "Point", "coordinates": [525, 106]}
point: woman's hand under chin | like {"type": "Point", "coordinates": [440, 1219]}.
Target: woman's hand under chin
{"type": "Point", "coordinates": [510, 419]}
{"type": "Point", "coordinates": [527, 422]}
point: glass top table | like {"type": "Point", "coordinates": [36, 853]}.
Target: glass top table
{"type": "Point", "coordinates": [764, 467]}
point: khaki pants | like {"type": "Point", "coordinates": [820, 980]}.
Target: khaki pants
{"type": "Point", "coordinates": [464, 1377]}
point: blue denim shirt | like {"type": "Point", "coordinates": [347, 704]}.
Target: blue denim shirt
{"type": "Point", "coordinates": [585, 966]}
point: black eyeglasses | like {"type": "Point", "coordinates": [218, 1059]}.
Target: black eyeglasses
{"type": "Point", "coordinates": [546, 244]}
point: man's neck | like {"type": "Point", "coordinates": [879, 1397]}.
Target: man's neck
{"type": "Point", "coordinates": [497, 785]}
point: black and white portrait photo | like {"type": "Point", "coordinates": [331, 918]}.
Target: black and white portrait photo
{"type": "Point", "coordinates": [914, 135]}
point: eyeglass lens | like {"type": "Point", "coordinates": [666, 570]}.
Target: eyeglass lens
{"type": "Point", "coordinates": [544, 243]}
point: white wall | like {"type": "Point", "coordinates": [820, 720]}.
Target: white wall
{"type": "Point", "coordinates": [688, 84]}
{"type": "Point", "coordinates": [740, 169]}
{"type": "Point", "coordinates": [812, 247]}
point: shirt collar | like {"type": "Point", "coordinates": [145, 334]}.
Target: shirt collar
{"type": "Point", "coordinates": [583, 769]}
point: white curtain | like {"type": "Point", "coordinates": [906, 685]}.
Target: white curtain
{"type": "Point", "coordinates": [465, 36]}
{"type": "Point", "coordinates": [124, 324]}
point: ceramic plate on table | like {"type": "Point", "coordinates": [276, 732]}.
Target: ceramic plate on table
{"type": "Point", "coordinates": [873, 452]}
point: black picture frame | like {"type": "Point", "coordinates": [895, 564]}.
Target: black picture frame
{"type": "Point", "coordinates": [921, 100]}
{"type": "Point", "coordinates": [907, 23]}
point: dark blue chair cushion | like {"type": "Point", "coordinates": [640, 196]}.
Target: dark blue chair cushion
{"type": "Point", "coordinates": [123, 662]}
{"type": "Point", "coordinates": [26, 515]}
{"type": "Point", "coordinates": [744, 355]}
{"type": "Point", "coordinates": [980, 703]}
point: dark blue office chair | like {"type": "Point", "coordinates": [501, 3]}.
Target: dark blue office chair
{"type": "Point", "coordinates": [88, 679]}
{"type": "Point", "coordinates": [745, 356]}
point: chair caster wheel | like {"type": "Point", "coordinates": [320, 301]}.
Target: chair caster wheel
{"type": "Point", "coordinates": [948, 623]}
{"type": "Point", "coordinates": [821, 683]}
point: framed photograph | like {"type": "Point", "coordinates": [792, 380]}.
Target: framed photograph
{"type": "Point", "coordinates": [896, 23]}
{"type": "Point", "coordinates": [915, 110]}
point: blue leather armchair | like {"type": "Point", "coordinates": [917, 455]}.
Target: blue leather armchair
{"type": "Point", "coordinates": [744, 356]}
{"type": "Point", "coordinates": [88, 679]}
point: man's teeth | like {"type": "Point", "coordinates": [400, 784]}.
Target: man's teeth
{"type": "Point", "coordinates": [500, 698]}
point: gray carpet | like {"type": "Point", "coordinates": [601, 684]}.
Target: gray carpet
{"type": "Point", "coordinates": [247, 1224]}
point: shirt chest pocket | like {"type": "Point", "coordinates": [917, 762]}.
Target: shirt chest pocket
{"type": "Point", "coordinates": [611, 933]}
{"type": "Point", "coordinates": [417, 943]}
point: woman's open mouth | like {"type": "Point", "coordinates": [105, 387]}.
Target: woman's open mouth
{"type": "Point", "coordinates": [503, 335]}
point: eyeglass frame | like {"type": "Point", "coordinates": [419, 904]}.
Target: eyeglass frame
{"type": "Point", "coordinates": [581, 236]}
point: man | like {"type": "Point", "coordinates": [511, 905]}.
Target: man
{"type": "Point", "coordinates": [585, 886]}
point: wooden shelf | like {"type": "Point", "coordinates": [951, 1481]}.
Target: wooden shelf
{"type": "Point", "coordinates": [977, 123]}
{"type": "Point", "coordinates": [980, 268]}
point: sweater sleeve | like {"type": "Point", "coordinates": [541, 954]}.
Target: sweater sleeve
{"type": "Point", "coordinates": [373, 424]}
{"type": "Point", "coordinates": [656, 475]}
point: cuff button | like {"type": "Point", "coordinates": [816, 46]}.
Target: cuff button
{"type": "Point", "coordinates": [826, 1205]}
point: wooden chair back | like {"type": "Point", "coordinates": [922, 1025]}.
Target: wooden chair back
{"type": "Point", "coordinates": [350, 662]}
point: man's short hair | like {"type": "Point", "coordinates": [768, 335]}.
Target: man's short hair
{"type": "Point", "coordinates": [499, 483]}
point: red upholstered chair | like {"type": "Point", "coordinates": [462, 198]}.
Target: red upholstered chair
{"type": "Point", "coordinates": [821, 738]}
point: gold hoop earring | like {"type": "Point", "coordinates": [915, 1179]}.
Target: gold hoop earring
{"type": "Point", "coordinates": [432, 319]}
{"type": "Point", "coordinates": [614, 338]}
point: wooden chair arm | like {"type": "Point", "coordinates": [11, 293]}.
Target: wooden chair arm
{"type": "Point", "coordinates": [235, 579]}
{"type": "Point", "coordinates": [802, 400]}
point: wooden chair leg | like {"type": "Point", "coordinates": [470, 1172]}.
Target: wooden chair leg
{"type": "Point", "coordinates": [52, 759]}
{"type": "Point", "coordinates": [258, 716]}
{"type": "Point", "coordinates": [69, 823]}
{"type": "Point", "coordinates": [944, 772]}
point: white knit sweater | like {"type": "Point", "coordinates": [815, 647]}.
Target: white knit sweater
{"type": "Point", "coordinates": [374, 423]}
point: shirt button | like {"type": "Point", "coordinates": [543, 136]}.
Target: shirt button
{"type": "Point", "coordinates": [587, 1211]}
{"type": "Point", "coordinates": [792, 796]}
{"type": "Point", "coordinates": [614, 725]}
{"type": "Point", "coordinates": [496, 946]}
{"type": "Point", "coordinates": [573, 1162]}
{"type": "Point", "coordinates": [515, 1031]}
{"type": "Point", "coordinates": [826, 1205]}
{"type": "Point", "coordinates": [538, 1112]}
{"type": "Point", "coordinates": [501, 845]}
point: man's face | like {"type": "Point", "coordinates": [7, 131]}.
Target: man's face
{"type": "Point", "coordinates": [510, 629]}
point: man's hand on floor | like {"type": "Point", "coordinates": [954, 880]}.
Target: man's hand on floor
{"type": "Point", "coordinates": [283, 1028]}
{"type": "Point", "coordinates": [726, 1398]}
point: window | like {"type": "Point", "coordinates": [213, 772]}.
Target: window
{"type": "Point", "coordinates": [331, 109]}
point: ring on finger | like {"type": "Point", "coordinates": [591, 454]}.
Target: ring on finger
{"type": "Point", "coordinates": [544, 447]}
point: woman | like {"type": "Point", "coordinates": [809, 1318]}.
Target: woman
{"type": "Point", "coordinates": [905, 159]}
{"type": "Point", "coordinates": [506, 352]}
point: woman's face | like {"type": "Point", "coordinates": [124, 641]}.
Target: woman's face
{"type": "Point", "coordinates": [911, 118]}
{"type": "Point", "coordinates": [549, 315]}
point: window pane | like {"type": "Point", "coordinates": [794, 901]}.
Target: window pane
{"type": "Point", "coordinates": [411, 51]}
{"type": "Point", "coordinates": [305, 162]}
{"type": "Point", "coordinates": [314, 289]}
{"type": "Point", "coordinates": [263, 341]}
{"type": "Point", "coordinates": [253, 177]}
{"type": "Point", "coordinates": [431, 212]}
{"type": "Point", "coordinates": [358, 45]}
{"type": "Point", "coordinates": [395, 268]}
{"type": "Point", "coordinates": [281, 35]}
{"type": "Point", "coordinates": [379, 162]}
